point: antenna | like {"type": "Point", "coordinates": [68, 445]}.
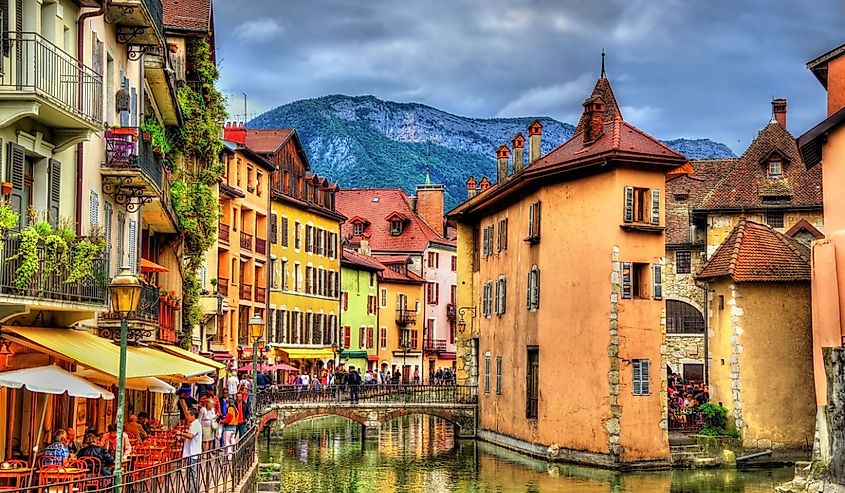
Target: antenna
{"type": "Point", "coordinates": [245, 113]}
{"type": "Point", "coordinates": [602, 63]}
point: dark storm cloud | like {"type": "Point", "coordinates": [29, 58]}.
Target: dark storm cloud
{"type": "Point", "coordinates": [680, 68]}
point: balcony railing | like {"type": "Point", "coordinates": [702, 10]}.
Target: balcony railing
{"type": "Point", "coordinates": [153, 309]}
{"type": "Point", "coordinates": [52, 286]}
{"type": "Point", "coordinates": [434, 345]}
{"type": "Point", "coordinates": [223, 286]}
{"type": "Point", "coordinates": [260, 294]}
{"type": "Point", "coordinates": [406, 317]}
{"type": "Point", "coordinates": [450, 311]}
{"type": "Point", "coordinates": [223, 232]}
{"type": "Point", "coordinates": [246, 241]}
{"type": "Point", "coordinates": [148, 307]}
{"type": "Point", "coordinates": [35, 65]}
{"type": "Point", "coordinates": [261, 246]}
{"type": "Point", "coordinates": [125, 151]}
{"type": "Point", "coordinates": [246, 291]}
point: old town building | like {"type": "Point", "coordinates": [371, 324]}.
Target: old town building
{"type": "Point", "coordinates": [561, 274]}
{"type": "Point", "coordinates": [360, 335]}
{"type": "Point", "coordinates": [758, 292]}
{"type": "Point", "coordinates": [397, 226]}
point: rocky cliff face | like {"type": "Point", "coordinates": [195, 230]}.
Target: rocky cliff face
{"type": "Point", "coordinates": [362, 141]}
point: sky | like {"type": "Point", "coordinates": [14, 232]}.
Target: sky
{"type": "Point", "coordinates": [679, 68]}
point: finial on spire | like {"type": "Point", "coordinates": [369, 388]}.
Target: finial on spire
{"type": "Point", "coordinates": [427, 176]}
{"type": "Point", "coordinates": [602, 63]}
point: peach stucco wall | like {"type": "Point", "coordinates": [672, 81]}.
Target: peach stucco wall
{"type": "Point", "coordinates": [580, 228]}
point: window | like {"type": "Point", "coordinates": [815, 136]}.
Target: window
{"type": "Point", "coordinates": [683, 262]}
{"type": "Point", "coordinates": [635, 281]}
{"type": "Point", "coordinates": [320, 239]}
{"type": "Point", "coordinates": [641, 376]}
{"type": "Point", "coordinates": [532, 387]}
{"type": "Point", "coordinates": [383, 298]}
{"type": "Point", "coordinates": [683, 318]}
{"type": "Point", "coordinates": [486, 301]}
{"type": "Point", "coordinates": [371, 305]}
{"type": "Point", "coordinates": [775, 168]}
{"type": "Point", "coordinates": [362, 337]}
{"type": "Point", "coordinates": [357, 229]}
{"type": "Point", "coordinates": [774, 219]}
{"type": "Point", "coordinates": [501, 299]}
{"type": "Point", "coordinates": [487, 244]}
{"type": "Point", "coordinates": [258, 180]}
{"type": "Point", "coordinates": [657, 281]}
{"type": "Point", "coordinates": [499, 375]}
{"type": "Point", "coordinates": [133, 244]}
{"type": "Point", "coordinates": [453, 295]}
{"type": "Point", "coordinates": [372, 279]}
{"type": "Point", "coordinates": [344, 301]}
{"type": "Point", "coordinates": [94, 208]}
{"type": "Point", "coordinates": [309, 238]}
{"type": "Point", "coordinates": [297, 235]}
{"type": "Point", "coordinates": [297, 281]}
{"type": "Point", "coordinates": [433, 292]}
{"type": "Point", "coordinates": [433, 259]}
{"type": "Point", "coordinates": [487, 374]}
{"type": "Point", "coordinates": [502, 238]}
{"type": "Point", "coordinates": [534, 223]}
{"type": "Point", "coordinates": [370, 339]}
{"type": "Point", "coordinates": [274, 228]}
{"type": "Point", "coordinates": [395, 227]}
{"type": "Point", "coordinates": [454, 263]}
{"type": "Point", "coordinates": [383, 338]}
{"type": "Point", "coordinates": [642, 205]}
{"type": "Point", "coordinates": [533, 292]}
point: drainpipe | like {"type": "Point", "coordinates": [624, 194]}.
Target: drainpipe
{"type": "Point", "coordinates": [80, 156]}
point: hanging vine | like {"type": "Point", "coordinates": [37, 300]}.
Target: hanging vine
{"type": "Point", "coordinates": [198, 143]}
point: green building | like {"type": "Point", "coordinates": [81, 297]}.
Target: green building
{"type": "Point", "coordinates": [359, 334]}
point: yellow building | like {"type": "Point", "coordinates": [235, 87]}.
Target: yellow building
{"type": "Point", "coordinates": [304, 309]}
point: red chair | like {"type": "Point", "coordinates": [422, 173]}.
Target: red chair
{"type": "Point", "coordinates": [94, 481]}
{"type": "Point", "coordinates": [53, 479]}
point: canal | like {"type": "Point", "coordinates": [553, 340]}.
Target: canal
{"type": "Point", "coordinates": [420, 454]}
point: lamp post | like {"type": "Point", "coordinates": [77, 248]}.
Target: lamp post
{"type": "Point", "coordinates": [256, 329]}
{"type": "Point", "coordinates": [124, 291]}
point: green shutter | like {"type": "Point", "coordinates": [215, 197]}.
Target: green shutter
{"type": "Point", "coordinates": [629, 204]}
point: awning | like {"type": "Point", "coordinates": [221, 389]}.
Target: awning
{"type": "Point", "coordinates": [101, 354]}
{"type": "Point", "coordinates": [372, 357]}
{"type": "Point", "coordinates": [150, 266]}
{"type": "Point", "coordinates": [354, 354]}
{"type": "Point", "coordinates": [309, 353]}
{"type": "Point", "coordinates": [447, 356]}
{"type": "Point", "coordinates": [151, 384]}
{"type": "Point", "coordinates": [52, 379]}
{"type": "Point", "coordinates": [191, 356]}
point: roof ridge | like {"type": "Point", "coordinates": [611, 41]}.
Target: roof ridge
{"type": "Point", "coordinates": [656, 140]}
{"type": "Point", "coordinates": [740, 229]}
{"type": "Point", "coordinates": [617, 131]}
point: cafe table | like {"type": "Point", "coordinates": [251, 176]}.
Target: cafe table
{"type": "Point", "coordinates": [11, 479]}
{"type": "Point", "coordinates": [69, 474]}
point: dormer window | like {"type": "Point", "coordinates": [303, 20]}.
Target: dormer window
{"type": "Point", "coordinates": [395, 227]}
{"type": "Point", "coordinates": [775, 168]}
{"type": "Point", "coordinates": [357, 229]}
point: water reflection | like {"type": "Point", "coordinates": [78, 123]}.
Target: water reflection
{"type": "Point", "coordinates": [420, 454]}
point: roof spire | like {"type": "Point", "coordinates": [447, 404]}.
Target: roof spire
{"type": "Point", "coordinates": [602, 63]}
{"type": "Point", "coordinates": [427, 176]}
{"type": "Point", "coordinates": [427, 165]}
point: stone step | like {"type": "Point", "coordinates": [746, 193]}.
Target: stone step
{"type": "Point", "coordinates": [274, 486]}
{"type": "Point", "coordinates": [270, 476]}
{"type": "Point", "coordinates": [704, 462]}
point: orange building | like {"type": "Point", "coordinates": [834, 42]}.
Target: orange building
{"type": "Point", "coordinates": [826, 143]}
{"type": "Point", "coordinates": [561, 263]}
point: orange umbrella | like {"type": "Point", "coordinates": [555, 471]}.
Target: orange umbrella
{"type": "Point", "coordinates": [150, 266]}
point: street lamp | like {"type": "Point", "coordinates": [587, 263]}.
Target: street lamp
{"type": "Point", "coordinates": [256, 329]}
{"type": "Point", "coordinates": [462, 325]}
{"type": "Point", "coordinates": [125, 291]}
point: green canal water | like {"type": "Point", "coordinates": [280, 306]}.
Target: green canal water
{"type": "Point", "coordinates": [420, 454]}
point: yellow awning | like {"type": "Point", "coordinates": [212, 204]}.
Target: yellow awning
{"type": "Point", "coordinates": [175, 350]}
{"type": "Point", "coordinates": [308, 353]}
{"type": "Point", "coordinates": [101, 354]}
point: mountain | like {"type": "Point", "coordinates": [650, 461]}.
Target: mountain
{"type": "Point", "coordinates": [362, 141]}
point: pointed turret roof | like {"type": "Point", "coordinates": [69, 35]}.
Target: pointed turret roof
{"type": "Point", "coordinates": [611, 108]}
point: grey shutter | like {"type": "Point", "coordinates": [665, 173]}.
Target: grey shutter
{"type": "Point", "coordinates": [284, 231]}
{"type": "Point", "coordinates": [655, 206]}
{"type": "Point", "coordinates": [498, 374]}
{"type": "Point", "coordinates": [627, 288]}
{"type": "Point", "coordinates": [644, 376]}
{"type": "Point", "coordinates": [121, 239]}
{"type": "Point", "coordinates": [133, 247]}
{"type": "Point", "coordinates": [537, 216]}
{"type": "Point", "coordinates": [529, 289]}
{"type": "Point", "coordinates": [16, 159]}
{"type": "Point", "coordinates": [487, 374]}
{"type": "Point", "coordinates": [274, 228]}
{"type": "Point", "coordinates": [531, 221]}
{"type": "Point", "coordinates": [629, 204]}
{"type": "Point", "coordinates": [536, 299]}
{"type": "Point", "coordinates": [504, 300]}
{"type": "Point", "coordinates": [93, 208]}
{"type": "Point", "coordinates": [484, 243]}
{"type": "Point", "coordinates": [636, 377]}
{"type": "Point", "coordinates": [658, 281]}
{"type": "Point", "coordinates": [498, 296]}
{"type": "Point", "coordinates": [54, 192]}
{"type": "Point", "coordinates": [499, 238]}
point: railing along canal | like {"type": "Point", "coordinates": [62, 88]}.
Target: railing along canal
{"type": "Point", "coordinates": [368, 394]}
{"type": "Point", "coordinates": [217, 471]}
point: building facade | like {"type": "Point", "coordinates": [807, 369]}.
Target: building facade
{"type": "Point", "coordinates": [361, 336]}
{"type": "Point", "coordinates": [532, 319]}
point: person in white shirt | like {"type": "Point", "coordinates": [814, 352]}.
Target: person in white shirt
{"type": "Point", "coordinates": [305, 380]}
{"type": "Point", "coordinates": [232, 384]}
{"type": "Point", "coordinates": [192, 447]}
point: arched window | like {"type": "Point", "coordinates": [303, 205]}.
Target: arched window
{"type": "Point", "coordinates": [683, 318]}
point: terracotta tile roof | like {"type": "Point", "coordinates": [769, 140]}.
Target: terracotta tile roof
{"type": "Point", "coordinates": [747, 185]}
{"type": "Point", "coordinates": [389, 274]}
{"type": "Point", "coordinates": [267, 141]}
{"type": "Point", "coordinates": [191, 15]}
{"type": "Point", "coordinates": [756, 252]}
{"type": "Point", "coordinates": [374, 205]}
{"type": "Point", "coordinates": [355, 259]}
{"type": "Point", "coordinates": [685, 192]}
{"type": "Point", "coordinates": [603, 90]}
{"type": "Point", "coordinates": [392, 259]}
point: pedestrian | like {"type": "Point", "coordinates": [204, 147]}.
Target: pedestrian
{"type": "Point", "coordinates": [353, 380]}
{"type": "Point", "coordinates": [244, 413]}
{"type": "Point", "coordinates": [416, 375]}
{"type": "Point", "coordinates": [192, 448]}
{"type": "Point", "coordinates": [232, 384]}
{"type": "Point", "coordinates": [230, 426]}
{"type": "Point", "coordinates": [208, 420]}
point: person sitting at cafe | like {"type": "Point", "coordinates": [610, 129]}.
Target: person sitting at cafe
{"type": "Point", "coordinates": [134, 428]}
{"type": "Point", "coordinates": [71, 441]}
{"type": "Point", "coordinates": [109, 442]}
{"type": "Point", "coordinates": [185, 403]}
{"type": "Point", "coordinates": [57, 452]}
{"type": "Point", "coordinates": [93, 449]}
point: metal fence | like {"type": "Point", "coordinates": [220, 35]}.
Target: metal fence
{"type": "Point", "coordinates": [406, 394]}
{"type": "Point", "coordinates": [216, 471]}
{"type": "Point", "coordinates": [36, 65]}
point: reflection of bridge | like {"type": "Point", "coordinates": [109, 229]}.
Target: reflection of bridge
{"type": "Point", "coordinates": [377, 404]}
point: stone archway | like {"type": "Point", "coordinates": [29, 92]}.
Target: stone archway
{"type": "Point", "coordinates": [465, 423]}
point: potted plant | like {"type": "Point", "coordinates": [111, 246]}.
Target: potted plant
{"type": "Point", "coordinates": [6, 188]}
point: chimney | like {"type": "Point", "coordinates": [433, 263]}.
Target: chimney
{"type": "Point", "coordinates": [471, 188]}
{"type": "Point", "coordinates": [594, 109]}
{"type": "Point", "coordinates": [429, 206]}
{"type": "Point", "coordinates": [235, 132]}
{"type": "Point", "coordinates": [779, 111]}
{"type": "Point", "coordinates": [364, 247]}
{"type": "Point", "coordinates": [535, 133]}
{"type": "Point", "coordinates": [518, 152]}
{"type": "Point", "coordinates": [503, 155]}
{"type": "Point", "coordinates": [484, 184]}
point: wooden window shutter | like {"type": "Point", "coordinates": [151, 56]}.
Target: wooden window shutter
{"type": "Point", "coordinates": [361, 337]}
{"type": "Point", "coordinates": [133, 244]}
{"type": "Point", "coordinates": [504, 234]}
{"type": "Point", "coordinates": [531, 221]}
{"type": "Point", "coordinates": [54, 194]}
{"type": "Point", "coordinates": [627, 287]}
{"type": "Point", "coordinates": [16, 159]}
{"type": "Point", "coordinates": [347, 333]}
{"type": "Point", "coordinates": [370, 338]}
{"type": "Point", "coordinates": [284, 231]}
{"type": "Point", "coordinates": [637, 379]}
{"type": "Point", "coordinates": [537, 219]}
{"type": "Point", "coordinates": [655, 206]}
{"type": "Point", "coordinates": [94, 209]}
{"type": "Point", "coordinates": [535, 294]}
{"type": "Point", "coordinates": [499, 238]}
{"type": "Point", "coordinates": [504, 300]}
{"type": "Point", "coordinates": [529, 289]}
{"type": "Point", "coordinates": [658, 281]}
{"type": "Point", "coordinates": [498, 295]}
{"type": "Point", "coordinates": [274, 228]}
{"type": "Point", "coordinates": [629, 204]}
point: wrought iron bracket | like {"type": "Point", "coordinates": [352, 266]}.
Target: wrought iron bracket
{"type": "Point", "coordinates": [134, 334]}
{"type": "Point", "coordinates": [131, 196]}
{"type": "Point", "coordinates": [125, 34]}
{"type": "Point", "coordinates": [116, 13]}
{"type": "Point", "coordinates": [137, 51]}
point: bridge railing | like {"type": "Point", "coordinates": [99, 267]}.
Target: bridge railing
{"type": "Point", "coordinates": [392, 394]}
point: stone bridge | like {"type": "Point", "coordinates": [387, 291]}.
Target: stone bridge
{"type": "Point", "coordinates": [377, 404]}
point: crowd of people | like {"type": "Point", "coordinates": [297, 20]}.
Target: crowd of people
{"type": "Point", "coordinates": [684, 399]}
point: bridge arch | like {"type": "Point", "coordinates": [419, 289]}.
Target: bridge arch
{"type": "Point", "coordinates": [304, 414]}
{"type": "Point", "coordinates": [438, 413]}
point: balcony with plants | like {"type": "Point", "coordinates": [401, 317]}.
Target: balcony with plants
{"type": "Point", "coordinates": [153, 320]}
